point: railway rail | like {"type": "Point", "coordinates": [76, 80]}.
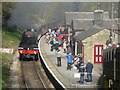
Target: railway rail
{"type": "Point", "coordinates": [33, 75]}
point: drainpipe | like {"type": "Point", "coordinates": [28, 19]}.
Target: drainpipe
{"type": "Point", "coordinates": [75, 47]}
{"type": "Point", "coordinates": [82, 50]}
{"type": "Point", "coordinates": [83, 53]}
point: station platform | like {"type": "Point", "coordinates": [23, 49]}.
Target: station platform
{"type": "Point", "coordinates": [68, 78]}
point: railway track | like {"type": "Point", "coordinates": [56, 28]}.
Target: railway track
{"type": "Point", "coordinates": [34, 75]}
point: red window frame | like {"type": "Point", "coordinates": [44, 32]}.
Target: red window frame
{"type": "Point", "coordinates": [98, 57]}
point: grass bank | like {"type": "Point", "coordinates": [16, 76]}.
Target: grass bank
{"type": "Point", "coordinates": [10, 39]}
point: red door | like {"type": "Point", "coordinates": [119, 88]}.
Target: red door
{"type": "Point", "coordinates": [98, 54]}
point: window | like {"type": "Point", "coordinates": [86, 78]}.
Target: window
{"type": "Point", "coordinates": [98, 54]}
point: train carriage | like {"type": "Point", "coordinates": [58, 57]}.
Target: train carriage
{"type": "Point", "coordinates": [111, 68]}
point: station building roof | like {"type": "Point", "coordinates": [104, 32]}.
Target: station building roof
{"type": "Point", "coordinates": [84, 24]}
{"type": "Point", "coordinates": [69, 16]}
{"type": "Point", "coordinates": [87, 33]}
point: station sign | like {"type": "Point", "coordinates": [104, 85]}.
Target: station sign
{"type": "Point", "coordinates": [6, 50]}
{"type": "Point", "coordinates": [67, 34]}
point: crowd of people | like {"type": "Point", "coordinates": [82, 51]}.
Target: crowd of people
{"type": "Point", "coordinates": [56, 39]}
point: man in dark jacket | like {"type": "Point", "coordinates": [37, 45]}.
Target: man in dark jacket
{"type": "Point", "coordinates": [81, 70]}
{"type": "Point", "coordinates": [58, 58]}
{"type": "Point", "coordinates": [80, 60]}
{"type": "Point", "coordinates": [89, 68]}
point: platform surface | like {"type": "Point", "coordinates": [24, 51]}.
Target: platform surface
{"type": "Point", "coordinates": [69, 78]}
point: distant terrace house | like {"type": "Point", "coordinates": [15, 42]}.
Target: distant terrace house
{"type": "Point", "coordinates": [95, 31]}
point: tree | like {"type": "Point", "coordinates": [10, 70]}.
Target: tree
{"type": "Point", "coordinates": [7, 8]}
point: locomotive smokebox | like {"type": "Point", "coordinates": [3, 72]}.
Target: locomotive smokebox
{"type": "Point", "coordinates": [28, 47]}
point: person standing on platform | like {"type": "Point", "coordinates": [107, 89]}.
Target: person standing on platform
{"type": "Point", "coordinates": [54, 43]}
{"type": "Point", "coordinates": [69, 61]}
{"type": "Point", "coordinates": [80, 60]}
{"type": "Point", "coordinates": [57, 46]}
{"type": "Point", "coordinates": [64, 46]}
{"type": "Point", "coordinates": [58, 58]}
{"type": "Point", "coordinates": [69, 50]}
{"type": "Point", "coordinates": [89, 68]}
{"type": "Point", "coordinates": [81, 70]}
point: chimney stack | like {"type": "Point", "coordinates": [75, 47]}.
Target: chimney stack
{"type": "Point", "coordinates": [98, 17]}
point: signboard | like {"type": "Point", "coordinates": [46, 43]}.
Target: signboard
{"type": "Point", "coordinates": [6, 50]}
{"type": "Point", "coordinates": [76, 75]}
{"type": "Point", "coordinates": [67, 34]}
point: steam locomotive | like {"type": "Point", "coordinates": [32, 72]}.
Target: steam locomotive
{"type": "Point", "coordinates": [111, 68]}
{"type": "Point", "coordinates": [28, 47]}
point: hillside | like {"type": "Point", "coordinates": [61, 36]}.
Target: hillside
{"type": "Point", "coordinates": [10, 39]}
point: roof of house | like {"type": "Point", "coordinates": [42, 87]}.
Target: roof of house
{"type": "Point", "coordinates": [87, 33]}
{"type": "Point", "coordinates": [85, 21]}
{"type": "Point", "coordinates": [84, 24]}
{"type": "Point", "coordinates": [69, 16]}
{"type": "Point", "coordinates": [109, 24]}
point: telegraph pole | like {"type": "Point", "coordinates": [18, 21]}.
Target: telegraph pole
{"type": "Point", "coordinates": [112, 30]}
{"type": "Point", "coordinates": [69, 34]}
{"type": "Point", "coordinates": [113, 35]}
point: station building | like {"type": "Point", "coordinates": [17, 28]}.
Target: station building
{"type": "Point", "coordinates": [91, 31]}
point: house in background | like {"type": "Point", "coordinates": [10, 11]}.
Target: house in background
{"type": "Point", "coordinates": [91, 42]}
{"type": "Point", "coordinates": [91, 31]}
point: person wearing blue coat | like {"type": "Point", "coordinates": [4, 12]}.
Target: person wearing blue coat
{"type": "Point", "coordinates": [89, 68]}
{"type": "Point", "coordinates": [69, 61]}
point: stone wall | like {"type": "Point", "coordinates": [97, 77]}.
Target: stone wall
{"type": "Point", "coordinates": [96, 39]}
